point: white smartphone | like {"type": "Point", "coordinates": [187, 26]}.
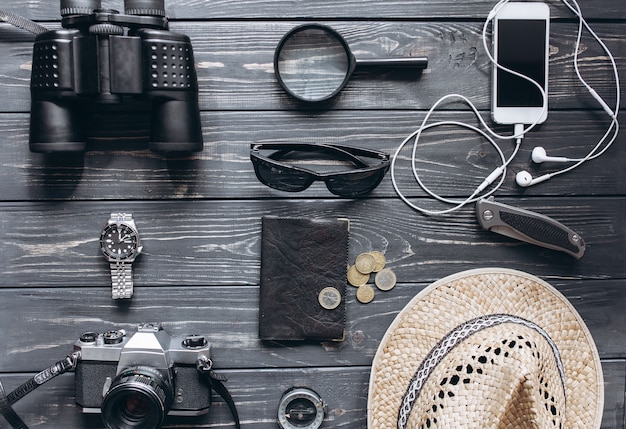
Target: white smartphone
{"type": "Point", "coordinates": [520, 43]}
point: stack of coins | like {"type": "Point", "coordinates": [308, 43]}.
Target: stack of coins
{"type": "Point", "coordinates": [359, 275]}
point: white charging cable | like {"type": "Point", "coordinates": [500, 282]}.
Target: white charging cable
{"type": "Point", "coordinates": [519, 131]}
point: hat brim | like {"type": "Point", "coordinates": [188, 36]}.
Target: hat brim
{"type": "Point", "coordinates": [452, 301]}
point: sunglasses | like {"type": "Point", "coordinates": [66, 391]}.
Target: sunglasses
{"type": "Point", "coordinates": [273, 170]}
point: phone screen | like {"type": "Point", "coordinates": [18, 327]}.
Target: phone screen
{"type": "Point", "coordinates": [522, 48]}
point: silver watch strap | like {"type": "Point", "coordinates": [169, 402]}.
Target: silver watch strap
{"type": "Point", "coordinates": [121, 217]}
{"type": "Point", "coordinates": [121, 280]}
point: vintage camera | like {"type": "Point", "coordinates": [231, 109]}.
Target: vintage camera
{"type": "Point", "coordinates": [102, 57]}
{"type": "Point", "coordinates": [135, 381]}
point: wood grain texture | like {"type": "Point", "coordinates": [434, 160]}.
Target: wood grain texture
{"type": "Point", "coordinates": [198, 243]}
{"type": "Point", "coordinates": [282, 9]}
{"type": "Point", "coordinates": [228, 315]}
{"type": "Point", "coordinates": [200, 214]}
{"type": "Point", "coordinates": [450, 159]}
{"type": "Point", "coordinates": [257, 394]}
{"type": "Point", "coordinates": [235, 65]}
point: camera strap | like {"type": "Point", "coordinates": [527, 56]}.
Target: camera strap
{"type": "Point", "coordinates": [6, 401]}
{"type": "Point", "coordinates": [8, 413]}
{"type": "Point", "coordinates": [216, 381]}
{"type": "Point", "coordinates": [21, 22]}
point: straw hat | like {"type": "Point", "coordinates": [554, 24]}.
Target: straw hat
{"type": "Point", "coordinates": [487, 348]}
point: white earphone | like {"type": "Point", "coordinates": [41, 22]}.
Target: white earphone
{"type": "Point", "coordinates": [525, 179]}
{"type": "Point", "coordinates": [539, 155]}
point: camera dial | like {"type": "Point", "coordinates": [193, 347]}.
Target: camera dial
{"type": "Point", "coordinates": [113, 337]}
{"type": "Point", "coordinates": [88, 337]}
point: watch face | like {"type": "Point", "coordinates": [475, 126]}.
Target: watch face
{"type": "Point", "coordinates": [119, 242]}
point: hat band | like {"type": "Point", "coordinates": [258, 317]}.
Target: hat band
{"type": "Point", "coordinates": [451, 340]}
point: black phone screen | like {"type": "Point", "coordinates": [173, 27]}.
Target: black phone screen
{"type": "Point", "coordinates": [522, 48]}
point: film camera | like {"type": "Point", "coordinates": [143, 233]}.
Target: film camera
{"type": "Point", "coordinates": [135, 381]}
{"type": "Point", "coordinates": [103, 57]}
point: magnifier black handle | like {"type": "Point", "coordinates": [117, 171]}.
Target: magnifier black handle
{"type": "Point", "coordinates": [408, 62]}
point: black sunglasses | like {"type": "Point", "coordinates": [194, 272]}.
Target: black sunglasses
{"type": "Point", "coordinates": [359, 180]}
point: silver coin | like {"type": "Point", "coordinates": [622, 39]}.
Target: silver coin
{"type": "Point", "coordinates": [385, 279]}
{"type": "Point", "coordinates": [329, 298]}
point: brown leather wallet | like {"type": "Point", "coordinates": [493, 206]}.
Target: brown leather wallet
{"type": "Point", "coordinates": [300, 257]}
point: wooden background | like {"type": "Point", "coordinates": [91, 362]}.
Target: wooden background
{"type": "Point", "coordinates": [200, 216]}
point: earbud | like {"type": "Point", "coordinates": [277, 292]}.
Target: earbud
{"type": "Point", "coordinates": [539, 155]}
{"type": "Point", "coordinates": [524, 179]}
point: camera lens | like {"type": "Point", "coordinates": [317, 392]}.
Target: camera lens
{"type": "Point", "coordinates": [139, 397]}
{"type": "Point", "coordinates": [79, 7]}
{"type": "Point", "coordinates": [145, 7]}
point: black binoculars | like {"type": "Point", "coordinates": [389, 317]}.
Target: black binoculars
{"type": "Point", "coordinates": [102, 57]}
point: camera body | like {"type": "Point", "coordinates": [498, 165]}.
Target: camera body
{"type": "Point", "coordinates": [134, 381]}
{"type": "Point", "coordinates": [102, 57]}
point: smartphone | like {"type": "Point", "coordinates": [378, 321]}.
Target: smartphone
{"type": "Point", "coordinates": [520, 43]}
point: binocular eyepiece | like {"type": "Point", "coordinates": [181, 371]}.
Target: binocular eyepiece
{"type": "Point", "coordinates": [131, 7]}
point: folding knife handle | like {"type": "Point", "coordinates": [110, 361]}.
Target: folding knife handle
{"type": "Point", "coordinates": [529, 226]}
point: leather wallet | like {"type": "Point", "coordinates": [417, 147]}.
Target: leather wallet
{"type": "Point", "coordinates": [300, 258]}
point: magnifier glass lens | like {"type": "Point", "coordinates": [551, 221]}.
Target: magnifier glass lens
{"type": "Point", "coordinates": [313, 64]}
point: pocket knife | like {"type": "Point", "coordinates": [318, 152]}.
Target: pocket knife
{"type": "Point", "coordinates": [529, 226]}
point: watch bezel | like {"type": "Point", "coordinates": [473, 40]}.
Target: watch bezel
{"type": "Point", "coordinates": [134, 251]}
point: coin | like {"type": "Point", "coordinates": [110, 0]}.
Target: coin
{"type": "Point", "coordinates": [380, 259]}
{"type": "Point", "coordinates": [385, 279]}
{"type": "Point", "coordinates": [356, 278]}
{"type": "Point", "coordinates": [365, 263]}
{"type": "Point", "coordinates": [329, 298]}
{"type": "Point", "coordinates": [365, 294]}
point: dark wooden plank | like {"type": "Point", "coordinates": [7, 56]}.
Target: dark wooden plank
{"type": "Point", "coordinates": [199, 243]}
{"type": "Point", "coordinates": [451, 160]}
{"type": "Point", "coordinates": [45, 323]}
{"type": "Point", "coordinates": [235, 71]}
{"type": "Point", "coordinates": [282, 9]}
{"type": "Point", "coordinates": [257, 394]}
{"type": "Point", "coordinates": [613, 416]}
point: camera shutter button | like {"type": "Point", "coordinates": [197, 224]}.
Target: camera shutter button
{"type": "Point", "coordinates": [106, 29]}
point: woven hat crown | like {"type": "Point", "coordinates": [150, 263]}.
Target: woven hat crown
{"type": "Point", "coordinates": [489, 348]}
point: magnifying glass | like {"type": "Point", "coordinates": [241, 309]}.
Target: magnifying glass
{"type": "Point", "coordinates": [313, 62]}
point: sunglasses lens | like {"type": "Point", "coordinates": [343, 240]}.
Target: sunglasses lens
{"type": "Point", "coordinates": [282, 179]}
{"type": "Point", "coordinates": [355, 184]}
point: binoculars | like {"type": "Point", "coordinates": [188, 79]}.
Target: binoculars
{"type": "Point", "coordinates": [103, 57]}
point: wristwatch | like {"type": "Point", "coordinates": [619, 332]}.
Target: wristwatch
{"type": "Point", "coordinates": [120, 245]}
